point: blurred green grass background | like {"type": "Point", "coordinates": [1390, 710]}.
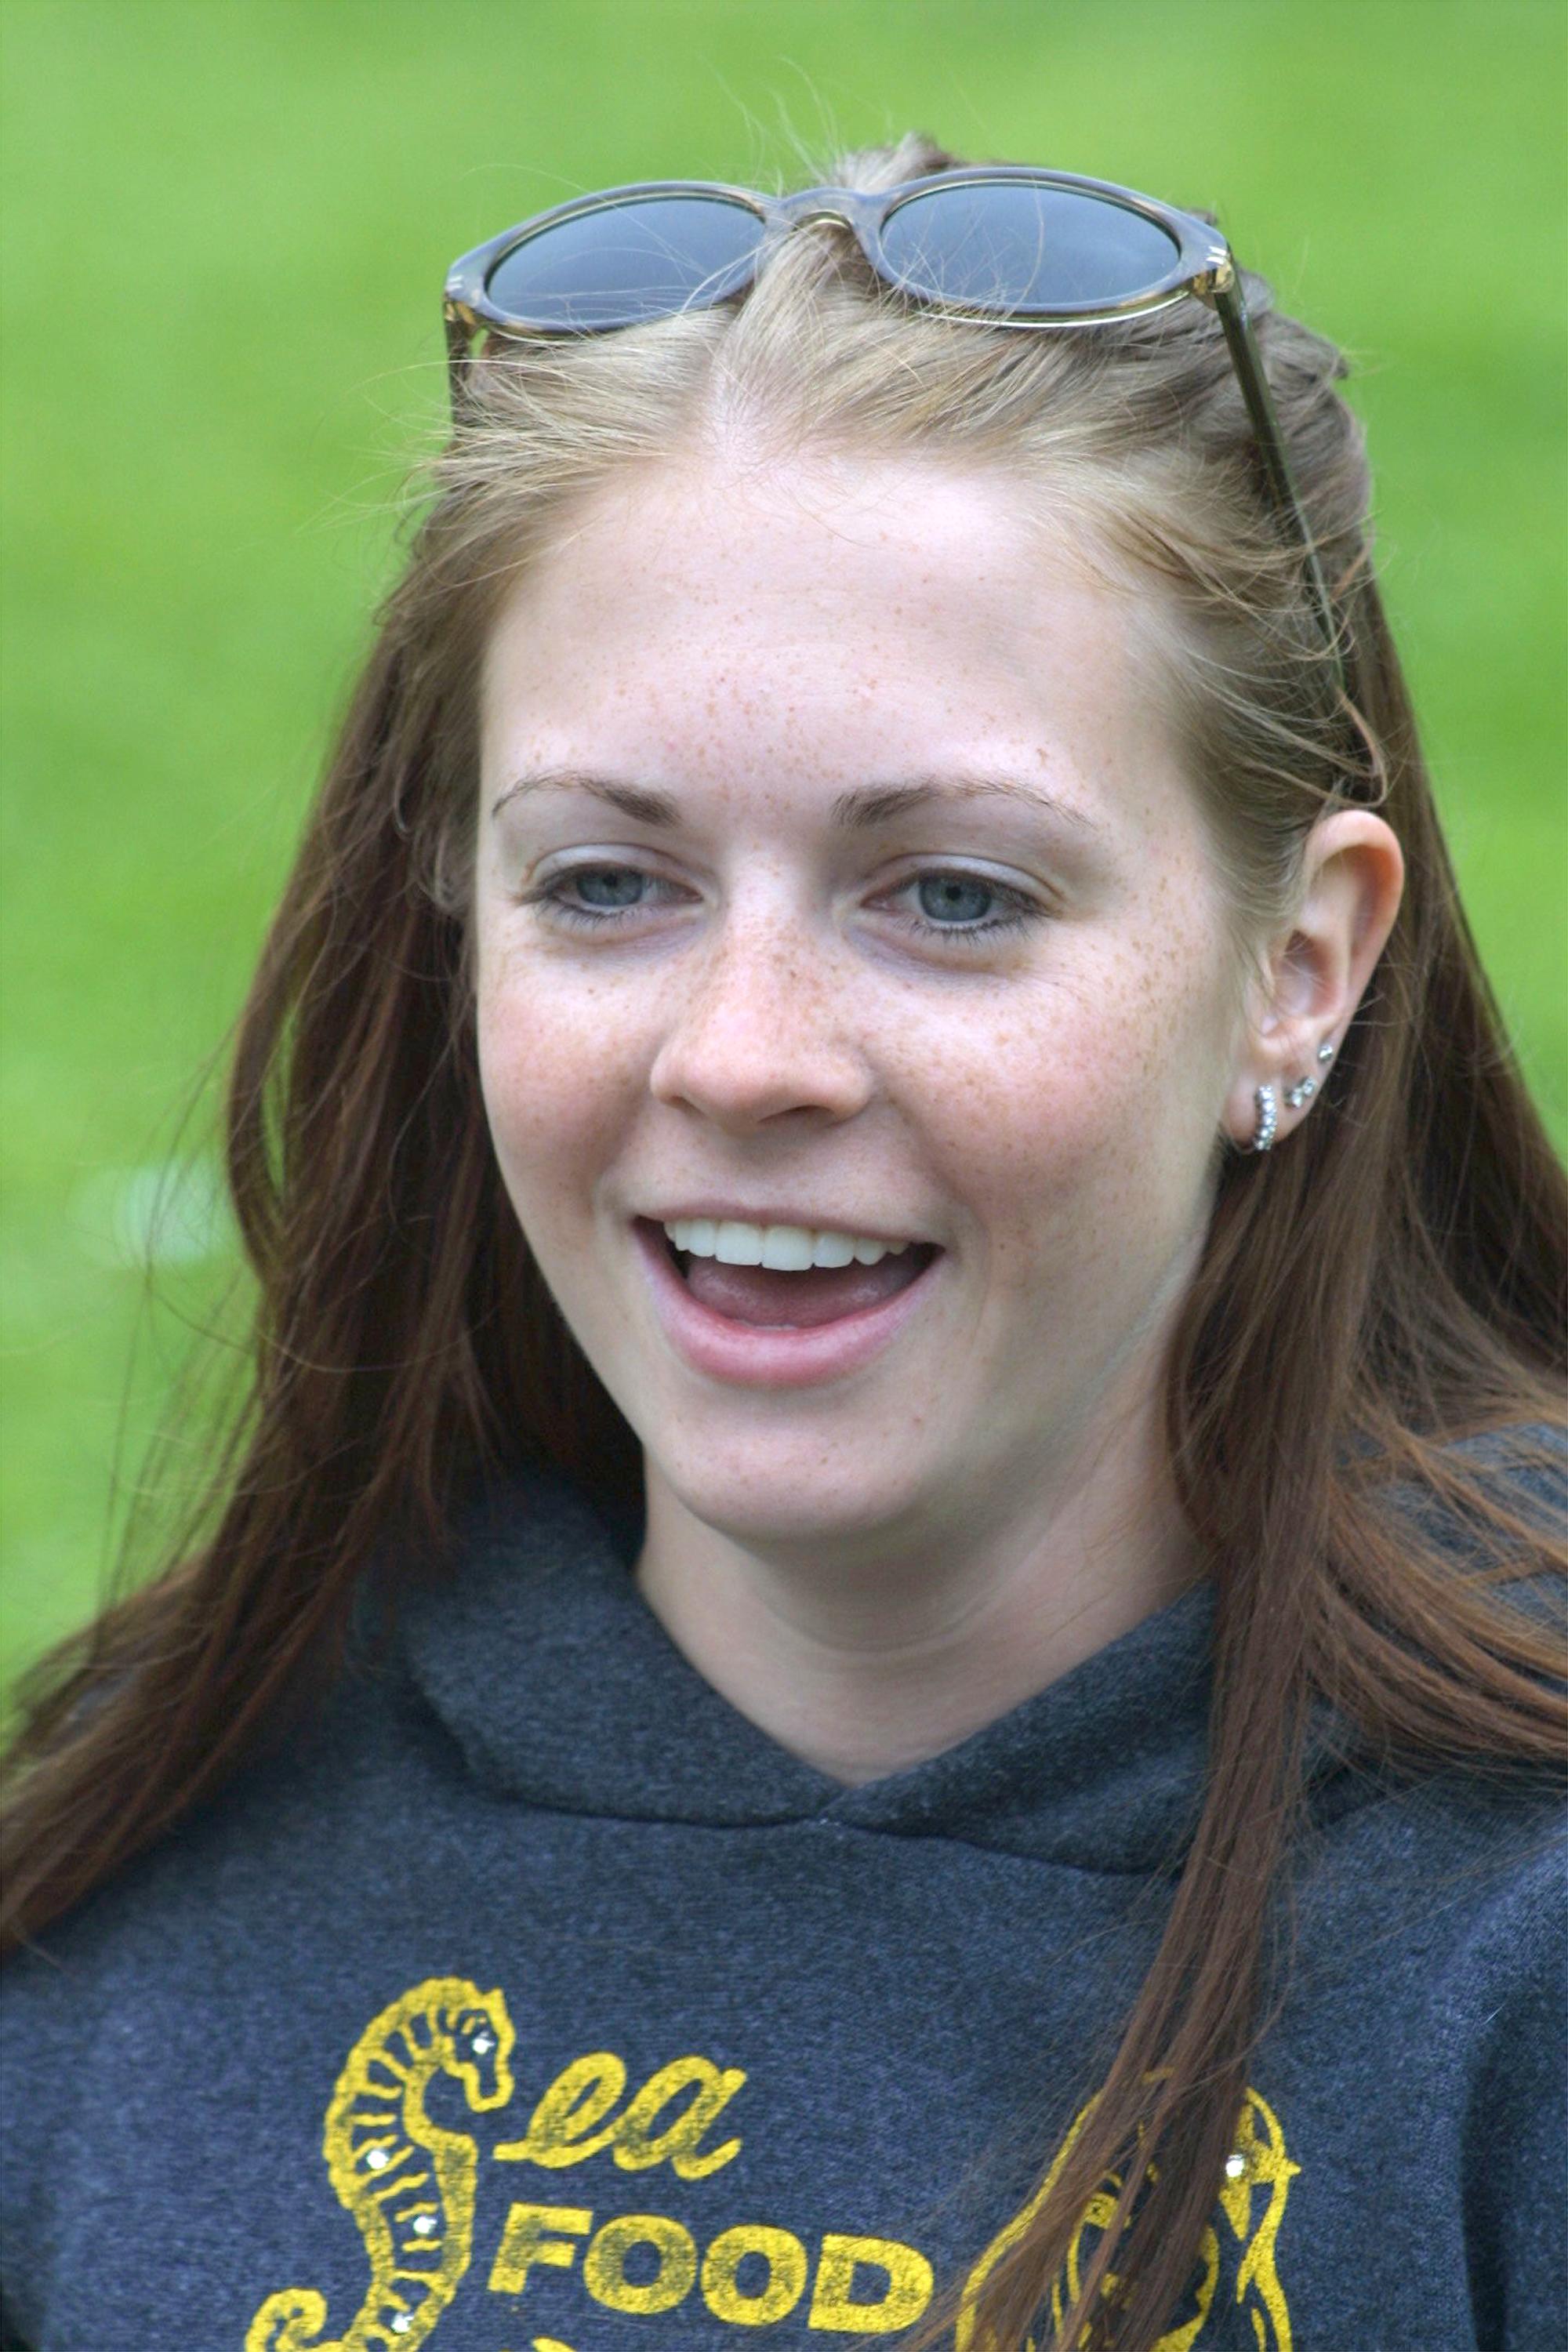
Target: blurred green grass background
{"type": "Point", "coordinates": [227, 227]}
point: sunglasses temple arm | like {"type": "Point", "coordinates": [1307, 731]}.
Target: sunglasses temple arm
{"type": "Point", "coordinates": [1229, 302]}
{"type": "Point", "coordinates": [460, 351]}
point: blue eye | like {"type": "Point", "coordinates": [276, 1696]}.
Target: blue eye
{"type": "Point", "coordinates": [590, 880]}
{"type": "Point", "coordinates": [611, 894]}
{"type": "Point", "coordinates": [958, 899]}
{"type": "Point", "coordinates": [950, 898]}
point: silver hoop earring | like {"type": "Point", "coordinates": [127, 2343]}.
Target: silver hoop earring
{"type": "Point", "coordinates": [1267, 1119]}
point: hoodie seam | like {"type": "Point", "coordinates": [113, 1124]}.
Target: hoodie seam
{"type": "Point", "coordinates": [824, 1820]}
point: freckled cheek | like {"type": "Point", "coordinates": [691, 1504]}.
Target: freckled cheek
{"type": "Point", "coordinates": [556, 1094]}
{"type": "Point", "coordinates": [1010, 1107]}
{"type": "Point", "coordinates": [1054, 1164]}
{"type": "Point", "coordinates": [1043, 1135]}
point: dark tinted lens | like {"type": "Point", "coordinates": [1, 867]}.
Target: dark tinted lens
{"type": "Point", "coordinates": [625, 262]}
{"type": "Point", "coordinates": [1002, 245]}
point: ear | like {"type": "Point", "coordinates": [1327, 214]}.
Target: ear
{"type": "Point", "coordinates": [1312, 972]}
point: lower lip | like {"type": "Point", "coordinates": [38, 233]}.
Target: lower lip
{"type": "Point", "coordinates": [772, 1355]}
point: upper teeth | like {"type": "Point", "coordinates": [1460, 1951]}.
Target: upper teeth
{"type": "Point", "coordinates": [788, 1248]}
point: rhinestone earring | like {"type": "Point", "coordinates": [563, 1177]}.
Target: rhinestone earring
{"type": "Point", "coordinates": [1305, 1089]}
{"type": "Point", "coordinates": [1267, 1119]}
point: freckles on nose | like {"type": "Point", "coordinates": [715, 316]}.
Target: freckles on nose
{"type": "Point", "coordinates": [765, 1023]}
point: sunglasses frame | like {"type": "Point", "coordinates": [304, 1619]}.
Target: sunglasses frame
{"type": "Point", "coordinates": [1203, 268]}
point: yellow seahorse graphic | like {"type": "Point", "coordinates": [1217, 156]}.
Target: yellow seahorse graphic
{"type": "Point", "coordinates": [1257, 2163]}
{"type": "Point", "coordinates": [408, 2183]}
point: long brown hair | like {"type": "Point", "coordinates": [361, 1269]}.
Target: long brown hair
{"type": "Point", "coordinates": [1386, 1282]}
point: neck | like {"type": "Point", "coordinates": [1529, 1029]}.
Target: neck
{"type": "Point", "coordinates": [863, 1661]}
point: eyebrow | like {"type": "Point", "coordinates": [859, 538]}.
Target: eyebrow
{"type": "Point", "coordinates": [858, 810]}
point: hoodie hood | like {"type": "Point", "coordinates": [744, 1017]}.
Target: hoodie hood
{"type": "Point", "coordinates": [562, 1689]}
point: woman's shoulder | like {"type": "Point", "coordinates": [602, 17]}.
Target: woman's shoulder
{"type": "Point", "coordinates": [1519, 1469]}
{"type": "Point", "coordinates": [264, 1847]}
{"type": "Point", "coordinates": [170, 1965]}
{"type": "Point", "coordinates": [1491, 1829]}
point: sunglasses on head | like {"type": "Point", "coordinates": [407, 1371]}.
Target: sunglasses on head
{"type": "Point", "coordinates": [1003, 244]}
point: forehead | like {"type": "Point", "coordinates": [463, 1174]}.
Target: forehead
{"type": "Point", "coordinates": [803, 620]}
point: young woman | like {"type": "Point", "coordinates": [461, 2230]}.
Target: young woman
{"type": "Point", "coordinates": [878, 1656]}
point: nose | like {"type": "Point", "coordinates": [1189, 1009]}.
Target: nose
{"type": "Point", "coordinates": [763, 1029]}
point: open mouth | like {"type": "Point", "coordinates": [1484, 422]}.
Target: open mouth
{"type": "Point", "coordinates": [772, 1299]}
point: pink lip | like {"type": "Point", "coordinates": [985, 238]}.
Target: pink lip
{"type": "Point", "coordinates": [762, 1356]}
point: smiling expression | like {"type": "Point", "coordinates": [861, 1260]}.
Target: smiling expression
{"type": "Point", "coordinates": [835, 867]}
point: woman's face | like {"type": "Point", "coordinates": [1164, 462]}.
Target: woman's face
{"type": "Point", "coordinates": [835, 872]}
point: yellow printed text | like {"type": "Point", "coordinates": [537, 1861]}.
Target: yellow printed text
{"type": "Point", "coordinates": [573, 2121]}
{"type": "Point", "coordinates": [864, 2286]}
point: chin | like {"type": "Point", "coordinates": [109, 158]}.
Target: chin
{"type": "Point", "coordinates": [787, 1495]}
